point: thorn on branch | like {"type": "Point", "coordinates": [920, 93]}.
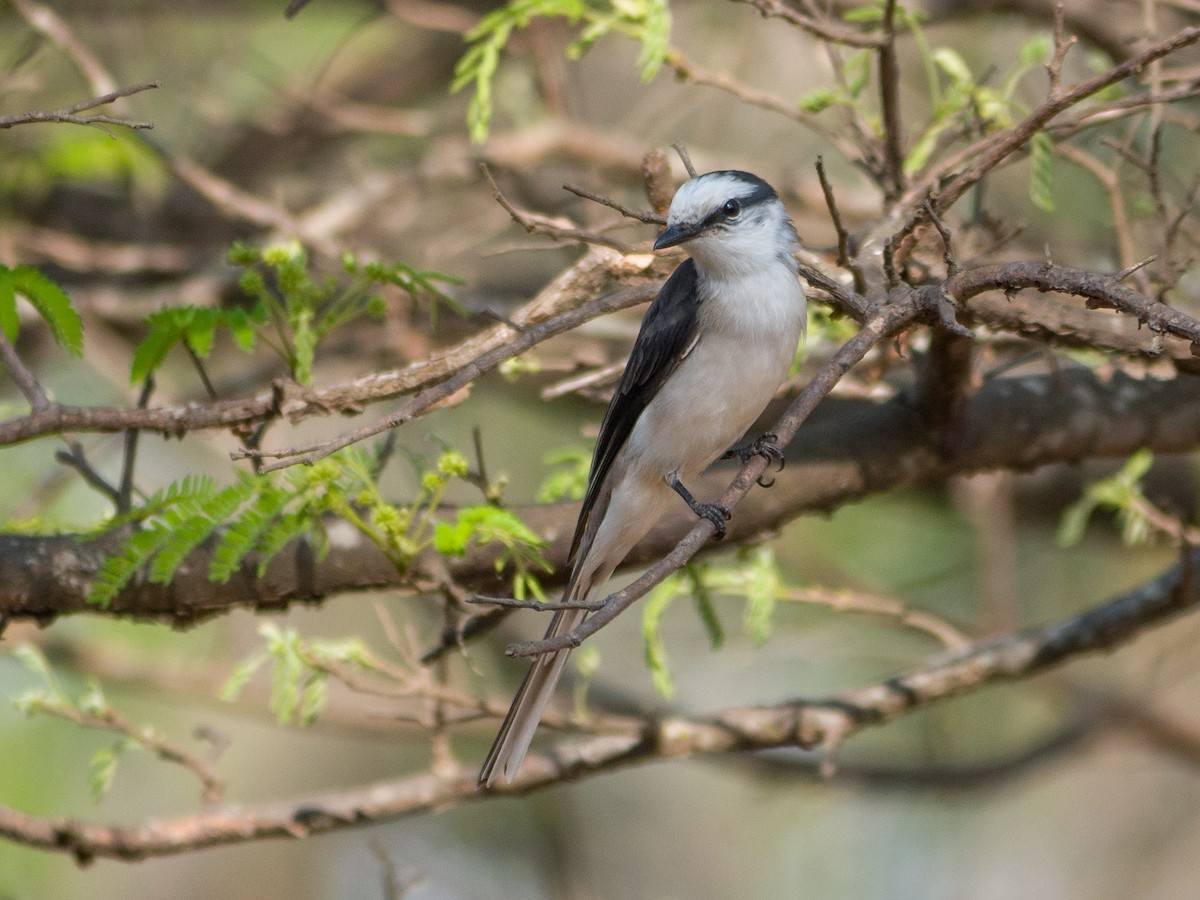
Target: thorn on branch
{"type": "Point", "coordinates": [1129, 270]}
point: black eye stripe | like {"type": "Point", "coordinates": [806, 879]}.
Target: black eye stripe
{"type": "Point", "coordinates": [720, 216]}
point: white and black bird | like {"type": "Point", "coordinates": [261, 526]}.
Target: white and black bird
{"type": "Point", "coordinates": [713, 348]}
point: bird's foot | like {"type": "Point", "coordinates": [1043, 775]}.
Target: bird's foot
{"type": "Point", "coordinates": [767, 445]}
{"type": "Point", "coordinates": [715, 513]}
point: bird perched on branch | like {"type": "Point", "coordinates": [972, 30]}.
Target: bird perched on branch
{"type": "Point", "coordinates": [713, 348]}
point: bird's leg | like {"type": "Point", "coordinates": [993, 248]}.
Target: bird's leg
{"type": "Point", "coordinates": [714, 512]}
{"type": "Point", "coordinates": [767, 445]}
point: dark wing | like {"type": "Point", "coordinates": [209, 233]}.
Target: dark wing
{"type": "Point", "coordinates": [666, 336]}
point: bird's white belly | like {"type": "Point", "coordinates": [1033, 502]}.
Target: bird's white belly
{"type": "Point", "coordinates": [717, 392]}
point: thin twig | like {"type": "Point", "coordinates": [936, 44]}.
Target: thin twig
{"type": "Point", "coordinates": [944, 233]}
{"type": "Point", "coordinates": [889, 101]}
{"type": "Point", "coordinates": [129, 451]}
{"type": "Point", "coordinates": [824, 29]}
{"type": "Point", "coordinates": [985, 154]}
{"type": "Point", "coordinates": [642, 215]}
{"type": "Point", "coordinates": [70, 114]}
{"type": "Point", "coordinates": [54, 27]}
{"type": "Point", "coordinates": [537, 605]}
{"type": "Point", "coordinates": [534, 223]}
{"type": "Point", "coordinates": [843, 237]}
{"type": "Point", "coordinates": [22, 376]}
{"type": "Point", "coordinates": [75, 457]}
{"type": "Point", "coordinates": [106, 718]}
{"type": "Point", "coordinates": [679, 148]}
{"type": "Point", "coordinates": [427, 398]}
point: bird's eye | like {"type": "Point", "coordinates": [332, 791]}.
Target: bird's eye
{"type": "Point", "coordinates": [731, 209]}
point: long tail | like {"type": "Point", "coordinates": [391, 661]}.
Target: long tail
{"type": "Point", "coordinates": [512, 743]}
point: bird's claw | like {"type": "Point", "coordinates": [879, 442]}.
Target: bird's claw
{"type": "Point", "coordinates": [767, 445]}
{"type": "Point", "coordinates": [715, 513]}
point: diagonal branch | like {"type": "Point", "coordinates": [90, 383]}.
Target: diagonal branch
{"type": "Point", "coordinates": [892, 319]}
{"type": "Point", "coordinates": [542, 318]}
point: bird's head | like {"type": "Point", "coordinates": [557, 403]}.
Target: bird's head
{"type": "Point", "coordinates": [730, 221]}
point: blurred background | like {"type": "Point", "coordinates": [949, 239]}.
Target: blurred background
{"type": "Point", "coordinates": [1048, 788]}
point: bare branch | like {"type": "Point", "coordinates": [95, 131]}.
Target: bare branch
{"type": "Point", "coordinates": [825, 29]}
{"type": "Point", "coordinates": [54, 27]}
{"type": "Point", "coordinates": [889, 102]}
{"type": "Point", "coordinates": [70, 114]}
{"type": "Point", "coordinates": [556, 230]}
{"type": "Point", "coordinates": [21, 375]}
{"type": "Point", "coordinates": [648, 216]}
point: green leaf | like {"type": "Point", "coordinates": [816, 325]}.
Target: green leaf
{"type": "Point", "coordinates": [202, 330]}
{"type": "Point", "coordinates": [451, 539]}
{"type": "Point", "coordinates": [1035, 51]}
{"type": "Point", "coordinates": [240, 538]}
{"type": "Point", "coordinates": [1041, 154]}
{"type": "Point", "coordinates": [482, 524]}
{"type": "Point", "coordinates": [872, 13]}
{"type": "Point", "coordinates": [653, 608]}
{"type": "Point", "coordinates": [241, 327]}
{"type": "Point", "coordinates": [118, 570]}
{"type": "Point", "coordinates": [569, 482]}
{"type": "Point", "coordinates": [818, 100]}
{"type": "Point", "coordinates": [655, 36]}
{"type": "Point", "coordinates": [954, 66]}
{"type": "Point", "coordinates": [49, 300]}
{"type": "Point", "coordinates": [857, 72]}
{"type": "Point", "coordinates": [304, 347]}
{"type": "Point", "coordinates": [103, 769]}
{"type": "Point", "coordinates": [150, 354]}
{"type": "Point", "coordinates": [34, 660]}
{"type": "Point", "coordinates": [762, 594]}
{"type": "Point", "coordinates": [281, 533]}
{"type": "Point", "coordinates": [10, 323]}
{"type": "Point", "coordinates": [704, 607]}
{"type": "Point", "coordinates": [313, 697]}
{"type": "Point", "coordinates": [1120, 492]}
{"type": "Point", "coordinates": [919, 155]}
{"type": "Point", "coordinates": [240, 677]}
{"type": "Point", "coordinates": [193, 526]}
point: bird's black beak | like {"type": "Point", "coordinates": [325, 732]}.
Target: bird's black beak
{"type": "Point", "coordinates": [675, 235]}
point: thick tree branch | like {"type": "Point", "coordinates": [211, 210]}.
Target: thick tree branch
{"type": "Point", "coordinates": [859, 449]}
